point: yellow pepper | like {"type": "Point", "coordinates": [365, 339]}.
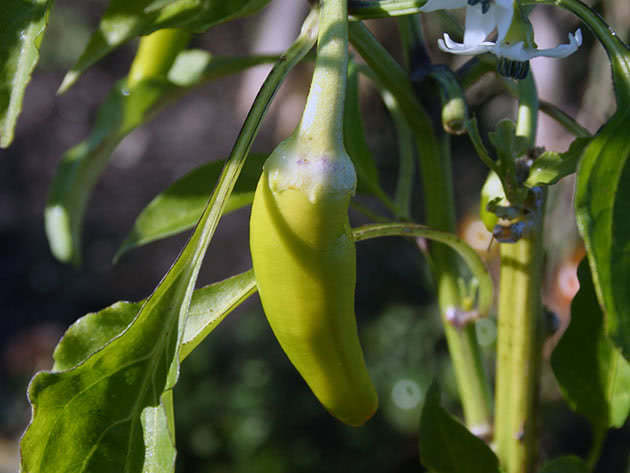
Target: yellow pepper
{"type": "Point", "coordinates": [302, 248]}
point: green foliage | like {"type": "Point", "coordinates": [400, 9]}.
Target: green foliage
{"type": "Point", "coordinates": [179, 207]}
{"type": "Point", "coordinates": [592, 374]}
{"type": "Point", "coordinates": [354, 136]}
{"type": "Point", "coordinates": [602, 198]}
{"type": "Point", "coordinates": [550, 167]}
{"type": "Point", "coordinates": [125, 109]}
{"type": "Point", "coordinates": [125, 19]}
{"type": "Point", "coordinates": [446, 445]}
{"type": "Point", "coordinates": [208, 307]}
{"type": "Point", "coordinates": [602, 203]}
{"type": "Point", "coordinates": [22, 27]}
{"type": "Point", "coordinates": [98, 406]}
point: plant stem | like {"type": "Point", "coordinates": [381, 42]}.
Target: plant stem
{"type": "Point", "coordinates": [156, 54]}
{"type": "Point", "coordinates": [520, 314]}
{"type": "Point", "coordinates": [518, 351]}
{"type": "Point", "coordinates": [361, 9]}
{"type": "Point", "coordinates": [463, 346]}
{"type": "Point", "coordinates": [321, 126]}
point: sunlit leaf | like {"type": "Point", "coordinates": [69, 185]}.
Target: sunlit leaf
{"type": "Point", "coordinates": [126, 19]}
{"type": "Point", "coordinates": [602, 204]}
{"type": "Point", "coordinates": [124, 110]}
{"type": "Point", "coordinates": [550, 167]}
{"type": "Point", "coordinates": [179, 207]}
{"type": "Point", "coordinates": [22, 27]}
{"type": "Point", "coordinates": [159, 436]}
{"type": "Point", "coordinates": [592, 374]}
{"type": "Point", "coordinates": [602, 198]}
{"type": "Point", "coordinates": [208, 307]}
{"type": "Point", "coordinates": [446, 445]}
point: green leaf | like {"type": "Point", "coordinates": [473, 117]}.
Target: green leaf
{"type": "Point", "coordinates": [568, 464]}
{"type": "Point", "coordinates": [82, 165]}
{"type": "Point", "coordinates": [208, 307]}
{"type": "Point", "coordinates": [124, 110]}
{"type": "Point", "coordinates": [179, 207]}
{"type": "Point", "coordinates": [125, 19]}
{"type": "Point", "coordinates": [592, 374]}
{"type": "Point", "coordinates": [159, 436]}
{"type": "Point", "coordinates": [99, 405]}
{"type": "Point", "coordinates": [446, 445]}
{"type": "Point", "coordinates": [354, 136]}
{"type": "Point", "coordinates": [602, 205]}
{"type": "Point", "coordinates": [550, 167]}
{"type": "Point", "coordinates": [22, 27]}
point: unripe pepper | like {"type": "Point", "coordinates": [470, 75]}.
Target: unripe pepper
{"type": "Point", "coordinates": [302, 248]}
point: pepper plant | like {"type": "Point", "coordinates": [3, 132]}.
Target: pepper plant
{"type": "Point", "coordinates": [107, 403]}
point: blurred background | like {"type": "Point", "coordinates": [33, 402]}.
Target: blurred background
{"type": "Point", "coordinates": [240, 406]}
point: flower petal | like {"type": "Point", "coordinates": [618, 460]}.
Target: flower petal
{"type": "Point", "coordinates": [449, 46]}
{"type": "Point", "coordinates": [564, 50]}
{"type": "Point", "coordinates": [478, 24]}
{"type": "Point", "coordinates": [433, 5]}
{"type": "Point", "coordinates": [504, 13]}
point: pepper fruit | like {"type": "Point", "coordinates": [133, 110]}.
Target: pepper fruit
{"type": "Point", "coordinates": [303, 252]}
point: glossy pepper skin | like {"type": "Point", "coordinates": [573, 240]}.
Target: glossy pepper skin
{"type": "Point", "coordinates": [305, 264]}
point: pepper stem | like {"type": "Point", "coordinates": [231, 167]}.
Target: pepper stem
{"type": "Point", "coordinates": [321, 126]}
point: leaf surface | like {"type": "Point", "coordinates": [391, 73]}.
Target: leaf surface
{"type": "Point", "coordinates": [446, 445]}
{"type": "Point", "coordinates": [592, 374]}
{"type": "Point", "coordinates": [179, 207]}
{"type": "Point", "coordinates": [550, 167]}
{"type": "Point", "coordinates": [126, 19]}
{"type": "Point", "coordinates": [354, 136]}
{"type": "Point", "coordinates": [602, 197]}
{"type": "Point", "coordinates": [602, 204]}
{"type": "Point", "coordinates": [22, 27]}
{"type": "Point", "coordinates": [123, 111]}
{"type": "Point", "coordinates": [208, 307]}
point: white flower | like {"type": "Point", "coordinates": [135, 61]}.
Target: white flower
{"type": "Point", "coordinates": [514, 46]}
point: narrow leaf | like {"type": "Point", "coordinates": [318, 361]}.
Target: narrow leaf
{"type": "Point", "coordinates": [126, 19]}
{"type": "Point", "coordinates": [592, 374]}
{"type": "Point", "coordinates": [124, 110]}
{"type": "Point", "coordinates": [22, 27]}
{"type": "Point", "coordinates": [446, 445]}
{"type": "Point", "coordinates": [81, 166]}
{"type": "Point", "coordinates": [550, 167]}
{"type": "Point", "coordinates": [569, 464]}
{"type": "Point", "coordinates": [602, 204]}
{"type": "Point", "coordinates": [354, 135]}
{"type": "Point", "coordinates": [179, 207]}
{"type": "Point", "coordinates": [208, 307]}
